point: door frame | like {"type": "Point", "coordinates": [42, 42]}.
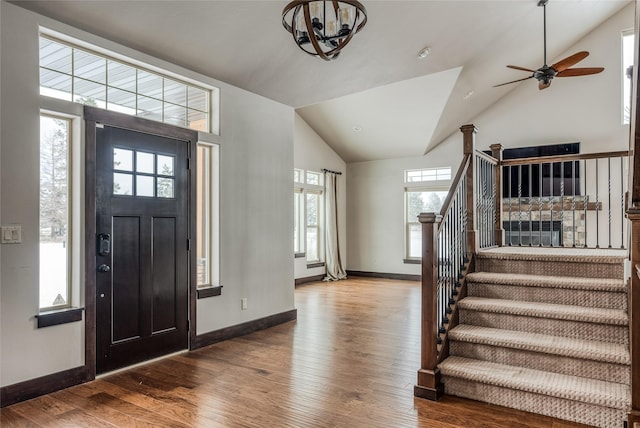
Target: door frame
{"type": "Point", "coordinates": [94, 116]}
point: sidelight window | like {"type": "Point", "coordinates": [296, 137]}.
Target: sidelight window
{"type": "Point", "coordinates": [55, 218]}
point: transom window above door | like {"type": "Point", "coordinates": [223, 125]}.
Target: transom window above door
{"type": "Point", "coordinates": [95, 78]}
{"type": "Point", "coordinates": [145, 174]}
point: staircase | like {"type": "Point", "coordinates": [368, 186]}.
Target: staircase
{"type": "Point", "coordinates": [544, 331]}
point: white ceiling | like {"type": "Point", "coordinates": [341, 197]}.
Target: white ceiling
{"type": "Point", "coordinates": [404, 106]}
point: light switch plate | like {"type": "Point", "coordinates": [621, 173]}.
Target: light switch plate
{"type": "Point", "coordinates": [12, 234]}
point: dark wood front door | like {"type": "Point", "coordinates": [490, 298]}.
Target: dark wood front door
{"type": "Point", "coordinates": [142, 258]}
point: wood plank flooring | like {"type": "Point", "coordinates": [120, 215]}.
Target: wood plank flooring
{"type": "Point", "coordinates": [350, 360]}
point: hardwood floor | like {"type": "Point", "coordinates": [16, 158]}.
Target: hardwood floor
{"type": "Point", "coordinates": [350, 360]}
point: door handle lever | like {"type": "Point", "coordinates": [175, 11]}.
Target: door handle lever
{"type": "Point", "coordinates": [104, 268]}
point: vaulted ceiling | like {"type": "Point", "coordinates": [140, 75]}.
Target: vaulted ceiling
{"type": "Point", "coordinates": [377, 100]}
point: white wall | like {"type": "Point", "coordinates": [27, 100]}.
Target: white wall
{"type": "Point", "coordinates": [375, 209]}
{"type": "Point", "coordinates": [313, 154]}
{"type": "Point", "coordinates": [256, 150]}
{"type": "Point", "coordinates": [585, 109]}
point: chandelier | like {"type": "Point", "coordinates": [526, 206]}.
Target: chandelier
{"type": "Point", "coordinates": [323, 28]}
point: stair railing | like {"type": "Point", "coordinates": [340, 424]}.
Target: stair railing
{"type": "Point", "coordinates": [449, 241]}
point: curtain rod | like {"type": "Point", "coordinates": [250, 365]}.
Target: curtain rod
{"type": "Point", "coordinates": [333, 172]}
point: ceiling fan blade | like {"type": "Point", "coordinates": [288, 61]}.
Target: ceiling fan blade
{"type": "Point", "coordinates": [569, 61]}
{"type": "Point", "coordinates": [515, 67]}
{"type": "Point", "coordinates": [570, 72]}
{"type": "Point", "coordinates": [542, 85]}
{"type": "Point", "coordinates": [513, 81]}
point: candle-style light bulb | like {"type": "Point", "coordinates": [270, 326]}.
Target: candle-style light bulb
{"type": "Point", "coordinates": [315, 8]}
{"type": "Point", "coordinates": [331, 29]}
{"type": "Point", "coordinates": [345, 16]}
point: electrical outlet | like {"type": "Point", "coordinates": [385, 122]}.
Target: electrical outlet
{"type": "Point", "coordinates": [243, 303]}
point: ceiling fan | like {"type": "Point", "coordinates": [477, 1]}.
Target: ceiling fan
{"type": "Point", "coordinates": [546, 73]}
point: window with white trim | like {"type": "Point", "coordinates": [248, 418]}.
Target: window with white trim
{"type": "Point", "coordinates": [308, 215]}
{"type": "Point", "coordinates": [84, 76]}
{"type": "Point", "coordinates": [425, 191]}
{"type": "Point", "coordinates": [55, 212]}
{"type": "Point", "coordinates": [207, 216]}
{"type": "Point", "coordinates": [628, 39]}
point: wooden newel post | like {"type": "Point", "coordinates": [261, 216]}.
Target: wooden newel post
{"type": "Point", "coordinates": [633, 214]}
{"type": "Point", "coordinates": [496, 152]}
{"type": "Point", "coordinates": [429, 385]}
{"type": "Point", "coordinates": [469, 142]}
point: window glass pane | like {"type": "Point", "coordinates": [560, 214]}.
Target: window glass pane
{"type": "Point", "coordinates": [627, 61]}
{"type": "Point", "coordinates": [312, 210]}
{"type": "Point", "coordinates": [198, 120]}
{"type": "Point", "coordinates": [197, 99]}
{"type": "Point", "coordinates": [55, 84]}
{"type": "Point", "coordinates": [175, 115]}
{"type": "Point", "coordinates": [175, 92]}
{"type": "Point", "coordinates": [145, 163]}
{"type": "Point", "coordinates": [312, 244]}
{"type": "Point", "coordinates": [123, 159]}
{"type": "Point", "coordinates": [297, 197]}
{"type": "Point", "coordinates": [165, 187]}
{"type": "Point", "coordinates": [202, 215]}
{"type": "Point", "coordinates": [55, 56]}
{"type": "Point", "coordinates": [89, 66]}
{"type": "Point", "coordinates": [149, 84]}
{"type": "Point", "coordinates": [165, 165]}
{"type": "Point", "coordinates": [144, 185]}
{"type": "Point", "coordinates": [415, 240]}
{"type": "Point", "coordinates": [424, 202]}
{"type": "Point", "coordinates": [121, 101]}
{"type": "Point", "coordinates": [313, 178]}
{"type": "Point", "coordinates": [149, 108]}
{"type": "Point", "coordinates": [121, 76]}
{"type": "Point", "coordinates": [122, 184]}
{"type": "Point", "coordinates": [89, 93]}
{"type": "Point", "coordinates": [54, 212]}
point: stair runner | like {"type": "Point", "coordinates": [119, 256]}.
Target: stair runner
{"type": "Point", "coordinates": [544, 331]}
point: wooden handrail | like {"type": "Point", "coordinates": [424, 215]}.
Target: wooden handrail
{"type": "Point", "coordinates": [486, 157]}
{"type": "Point", "coordinates": [462, 170]}
{"type": "Point", "coordinates": [564, 158]}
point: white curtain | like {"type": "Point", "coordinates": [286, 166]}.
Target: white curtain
{"type": "Point", "coordinates": [333, 263]}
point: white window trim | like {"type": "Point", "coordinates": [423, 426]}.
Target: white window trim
{"type": "Point", "coordinates": [75, 189]}
{"type": "Point", "coordinates": [304, 188]}
{"type": "Point", "coordinates": [214, 92]}
{"type": "Point", "coordinates": [213, 220]}
{"type": "Point", "coordinates": [625, 98]}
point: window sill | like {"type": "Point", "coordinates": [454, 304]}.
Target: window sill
{"type": "Point", "coordinates": [412, 261]}
{"type": "Point", "coordinates": [315, 265]}
{"type": "Point", "coordinates": [59, 316]}
{"type": "Point", "coordinates": [299, 255]}
{"type": "Point", "coordinates": [203, 293]}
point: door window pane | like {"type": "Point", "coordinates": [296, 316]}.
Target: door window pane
{"type": "Point", "coordinates": [165, 165]}
{"type": "Point", "coordinates": [165, 187]}
{"type": "Point", "coordinates": [123, 159]}
{"type": "Point", "coordinates": [144, 186]}
{"type": "Point", "coordinates": [145, 163]}
{"type": "Point", "coordinates": [122, 184]}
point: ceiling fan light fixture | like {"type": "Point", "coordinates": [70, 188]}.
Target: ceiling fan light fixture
{"type": "Point", "coordinates": [323, 28]}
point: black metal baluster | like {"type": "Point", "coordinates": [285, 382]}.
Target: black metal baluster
{"type": "Point", "coordinates": [597, 207]}
{"type": "Point", "coordinates": [540, 205]}
{"type": "Point", "coordinates": [520, 205]}
{"type": "Point", "coordinates": [573, 199]}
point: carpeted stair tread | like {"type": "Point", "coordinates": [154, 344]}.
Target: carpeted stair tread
{"type": "Point", "coordinates": [581, 389]}
{"type": "Point", "coordinates": [542, 343]}
{"type": "Point", "coordinates": [545, 310]}
{"type": "Point", "coordinates": [605, 256]}
{"type": "Point", "coordinates": [564, 282]}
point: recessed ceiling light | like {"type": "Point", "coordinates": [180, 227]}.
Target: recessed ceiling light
{"type": "Point", "coordinates": [468, 95]}
{"type": "Point", "coordinates": [357, 129]}
{"type": "Point", "coordinates": [424, 53]}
